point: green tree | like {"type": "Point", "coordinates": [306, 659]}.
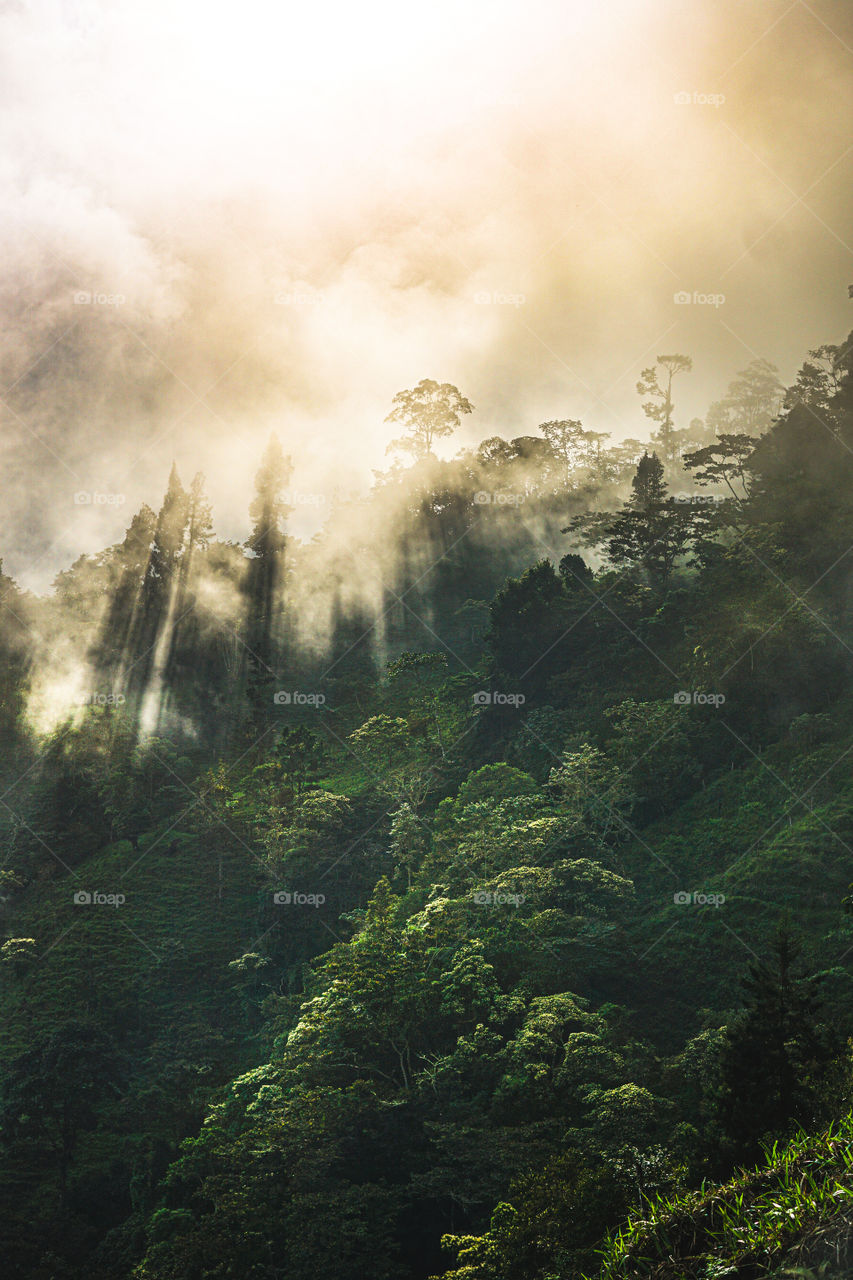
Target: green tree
{"type": "Point", "coordinates": [651, 532]}
{"type": "Point", "coordinates": [775, 1055]}
{"type": "Point", "coordinates": [54, 1092]}
{"type": "Point", "coordinates": [653, 751]}
{"type": "Point", "coordinates": [409, 841]}
{"type": "Point", "coordinates": [648, 485]}
{"type": "Point", "coordinates": [302, 755]}
{"type": "Point", "coordinates": [400, 763]}
{"type": "Point", "coordinates": [549, 1224]}
{"type": "Point", "coordinates": [593, 792]}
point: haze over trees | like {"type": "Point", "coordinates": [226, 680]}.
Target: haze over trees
{"type": "Point", "coordinates": [459, 892]}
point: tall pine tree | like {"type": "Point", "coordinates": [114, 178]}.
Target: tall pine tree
{"type": "Point", "coordinates": [265, 580]}
{"type": "Point", "coordinates": [775, 1053]}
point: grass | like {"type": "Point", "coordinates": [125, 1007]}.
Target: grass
{"type": "Point", "coordinates": [791, 1214]}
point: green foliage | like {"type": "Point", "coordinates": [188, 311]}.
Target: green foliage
{"type": "Point", "coordinates": [480, 1027]}
{"type": "Point", "coordinates": [774, 1055]}
{"type": "Point", "coordinates": [52, 1092]}
{"type": "Point", "coordinates": [794, 1209]}
{"type": "Point", "coordinates": [652, 532]}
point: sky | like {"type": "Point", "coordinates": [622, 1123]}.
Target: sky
{"type": "Point", "coordinates": [224, 220]}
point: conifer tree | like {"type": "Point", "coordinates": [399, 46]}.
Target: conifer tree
{"type": "Point", "coordinates": [266, 545]}
{"type": "Point", "coordinates": [774, 1054]}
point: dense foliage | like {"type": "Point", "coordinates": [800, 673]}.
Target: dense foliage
{"type": "Point", "coordinates": [459, 901]}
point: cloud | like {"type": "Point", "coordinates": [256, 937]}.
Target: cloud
{"type": "Point", "coordinates": [284, 215]}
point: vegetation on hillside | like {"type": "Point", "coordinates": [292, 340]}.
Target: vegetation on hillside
{"type": "Point", "coordinates": [463, 893]}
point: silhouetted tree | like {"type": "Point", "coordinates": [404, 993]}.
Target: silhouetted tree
{"type": "Point", "coordinates": [751, 402]}
{"type": "Point", "coordinates": [265, 578]}
{"type": "Point", "coordinates": [429, 412]}
{"type": "Point", "coordinates": [650, 532]}
{"type": "Point", "coordinates": [568, 442]}
{"type": "Point", "coordinates": [656, 383]}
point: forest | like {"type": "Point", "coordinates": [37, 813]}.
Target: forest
{"type": "Point", "coordinates": [463, 891]}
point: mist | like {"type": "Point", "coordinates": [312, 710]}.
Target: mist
{"type": "Point", "coordinates": [221, 223]}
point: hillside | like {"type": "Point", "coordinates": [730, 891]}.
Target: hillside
{"type": "Point", "coordinates": [512, 913]}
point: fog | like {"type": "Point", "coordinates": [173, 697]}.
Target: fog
{"type": "Point", "coordinates": [223, 220]}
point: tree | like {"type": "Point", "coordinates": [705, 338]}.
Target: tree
{"type": "Point", "coordinates": [650, 532]}
{"type": "Point", "coordinates": [374, 1011]}
{"type": "Point", "coordinates": [111, 653]}
{"type": "Point", "coordinates": [497, 819]}
{"type": "Point", "coordinates": [648, 484]}
{"type": "Point", "coordinates": [54, 1090]}
{"type": "Point", "coordinates": [530, 617]}
{"type": "Point", "coordinates": [751, 402]}
{"type": "Point", "coordinates": [801, 472]}
{"type": "Point", "coordinates": [269, 508]}
{"type": "Point", "coordinates": [656, 383]}
{"type": "Point", "coordinates": [600, 460]}
{"type": "Point", "coordinates": [594, 793]}
{"type": "Point", "coordinates": [15, 657]}
{"type": "Point", "coordinates": [409, 841]}
{"type": "Point", "coordinates": [429, 412]}
{"type": "Point", "coordinates": [197, 536]}
{"type": "Point", "coordinates": [302, 837]}
{"type": "Point", "coordinates": [775, 1054]}
{"type": "Point", "coordinates": [400, 763]}
{"type": "Point", "coordinates": [652, 539]}
{"type": "Point", "coordinates": [266, 545]}
{"type": "Point", "coordinates": [724, 462]}
{"type": "Point", "coordinates": [19, 954]}
{"type": "Point", "coordinates": [422, 678]}
{"type": "Point", "coordinates": [302, 755]}
{"type": "Point", "coordinates": [168, 546]}
{"type": "Point", "coordinates": [149, 613]}
{"type": "Point", "coordinates": [653, 751]}
{"type": "Point", "coordinates": [819, 380]}
{"type": "Point", "coordinates": [163, 605]}
{"type": "Point", "coordinates": [200, 520]}
{"type": "Point", "coordinates": [553, 1219]}
{"type": "Point", "coordinates": [575, 448]}
{"type": "Point", "coordinates": [567, 439]}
